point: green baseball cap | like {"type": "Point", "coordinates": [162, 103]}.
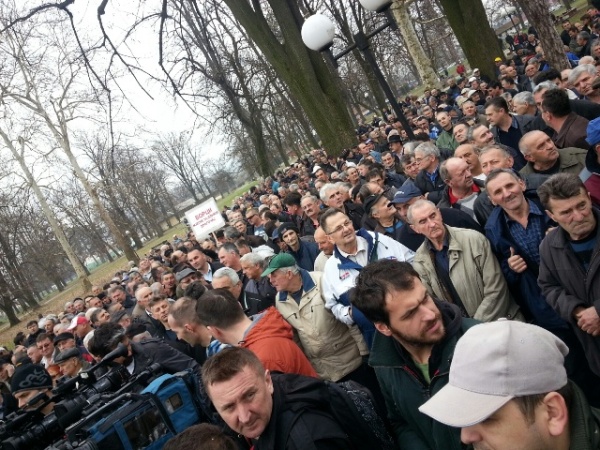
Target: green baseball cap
{"type": "Point", "coordinates": [279, 262]}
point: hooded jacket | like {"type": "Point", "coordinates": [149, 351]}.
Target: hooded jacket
{"type": "Point", "coordinates": [405, 389]}
{"type": "Point", "coordinates": [271, 339]}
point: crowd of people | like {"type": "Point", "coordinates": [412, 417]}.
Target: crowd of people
{"type": "Point", "coordinates": [455, 275]}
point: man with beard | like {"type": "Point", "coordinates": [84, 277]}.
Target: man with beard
{"type": "Point", "coordinates": [411, 353]}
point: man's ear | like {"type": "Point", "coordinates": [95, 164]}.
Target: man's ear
{"type": "Point", "coordinates": [556, 413]}
{"type": "Point", "coordinates": [383, 328]}
{"type": "Point", "coordinates": [216, 333]}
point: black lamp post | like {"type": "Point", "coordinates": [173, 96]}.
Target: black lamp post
{"type": "Point", "coordinates": [318, 32]}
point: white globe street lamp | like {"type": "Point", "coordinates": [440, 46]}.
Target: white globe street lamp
{"type": "Point", "coordinates": [376, 5]}
{"type": "Point", "coordinates": [318, 32]}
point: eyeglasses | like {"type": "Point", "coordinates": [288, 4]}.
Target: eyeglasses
{"type": "Point", "coordinates": [250, 217]}
{"type": "Point", "coordinates": [45, 345]}
{"type": "Point", "coordinates": [347, 224]}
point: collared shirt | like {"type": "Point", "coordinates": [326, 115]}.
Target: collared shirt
{"type": "Point", "coordinates": [441, 256]}
{"type": "Point", "coordinates": [433, 175]}
{"type": "Point", "coordinates": [528, 239]}
{"type": "Point", "coordinates": [512, 136]}
{"type": "Point", "coordinates": [361, 257]}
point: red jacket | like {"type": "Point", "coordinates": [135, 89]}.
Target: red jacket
{"type": "Point", "coordinates": [271, 338]}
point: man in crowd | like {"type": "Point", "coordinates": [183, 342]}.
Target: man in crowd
{"type": "Point", "coordinates": [333, 348]}
{"type": "Point", "coordinates": [446, 137]}
{"type": "Point", "coordinates": [544, 158]}
{"type": "Point", "coordinates": [197, 259]}
{"type": "Point", "coordinates": [461, 188]}
{"type": "Point", "coordinates": [449, 256]}
{"type": "Point", "coordinates": [480, 136]}
{"type": "Point", "coordinates": [507, 129]}
{"type": "Point", "coordinates": [259, 292]}
{"type": "Point", "coordinates": [311, 207]}
{"type": "Point", "coordinates": [352, 252]}
{"type": "Point", "coordinates": [326, 248]}
{"type": "Point", "coordinates": [470, 154]}
{"type": "Point", "coordinates": [569, 258]}
{"type": "Point", "coordinates": [428, 180]}
{"type": "Point", "coordinates": [385, 220]}
{"type": "Point", "coordinates": [303, 252]}
{"type": "Point", "coordinates": [257, 404]}
{"type": "Point", "coordinates": [569, 128]}
{"type": "Point", "coordinates": [499, 402]}
{"type": "Point", "coordinates": [267, 334]}
{"type": "Point", "coordinates": [29, 381]}
{"type": "Point", "coordinates": [331, 197]}
{"type": "Point", "coordinates": [413, 349]}
{"type": "Point", "coordinates": [70, 362]}
{"type": "Point", "coordinates": [516, 227]}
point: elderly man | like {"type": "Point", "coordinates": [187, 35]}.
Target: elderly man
{"type": "Point", "coordinates": [544, 158]}
{"type": "Point", "coordinates": [428, 180]}
{"type": "Point", "coordinates": [352, 252]}
{"type": "Point", "coordinates": [516, 227]}
{"type": "Point", "coordinates": [462, 189]}
{"type": "Point", "coordinates": [582, 78]}
{"type": "Point", "coordinates": [326, 248]}
{"type": "Point", "coordinates": [524, 104]}
{"type": "Point", "coordinates": [499, 402]}
{"type": "Point", "coordinates": [458, 266]}
{"type": "Point", "coordinates": [259, 292]}
{"type": "Point", "coordinates": [479, 136]}
{"type": "Point", "coordinates": [332, 197]}
{"type": "Point", "coordinates": [383, 214]}
{"type": "Point", "coordinates": [267, 334]}
{"type": "Point", "coordinates": [70, 362]}
{"type": "Point", "coordinates": [569, 275]}
{"type": "Point", "coordinates": [470, 154]}
{"type": "Point", "coordinates": [311, 206]}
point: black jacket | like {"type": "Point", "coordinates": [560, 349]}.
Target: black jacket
{"type": "Point", "coordinates": [305, 400]}
{"type": "Point", "coordinates": [423, 182]}
{"type": "Point", "coordinates": [355, 212]}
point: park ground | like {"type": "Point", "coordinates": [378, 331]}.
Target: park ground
{"type": "Point", "coordinates": [102, 274]}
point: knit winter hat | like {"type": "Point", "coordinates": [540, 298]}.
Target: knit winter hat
{"type": "Point", "coordinates": [30, 376]}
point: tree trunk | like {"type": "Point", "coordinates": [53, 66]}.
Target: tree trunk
{"type": "Point", "coordinates": [303, 70]}
{"type": "Point", "coordinates": [472, 29]}
{"type": "Point", "coordinates": [56, 227]}
{"type": "Point", "coordinates": [537, 13]}
{"type": "Point", "coordinates": [422, 62]}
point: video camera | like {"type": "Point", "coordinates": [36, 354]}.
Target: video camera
{"type": "Point", "coordinates": [111, 411]}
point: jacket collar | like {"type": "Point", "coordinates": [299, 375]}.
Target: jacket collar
{"type": "Point", "coordinates": [307, 285]}
{"type": "Point", "coordinates": [388, 352]}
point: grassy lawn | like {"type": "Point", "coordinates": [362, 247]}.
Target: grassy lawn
{"type": "Point", "coordinates": [100, 275]}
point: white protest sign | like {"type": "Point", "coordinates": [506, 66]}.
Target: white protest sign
{"type": "Point", "coordinates": [205, 218]}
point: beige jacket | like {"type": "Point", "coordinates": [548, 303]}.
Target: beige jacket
{"type": "Point", "coordinates": [475, 274]}
{"type": "Point", "coordinates": [333, 348]}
